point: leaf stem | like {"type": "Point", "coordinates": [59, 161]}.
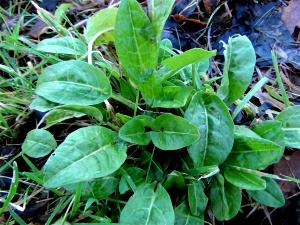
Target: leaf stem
{"type": "Point", "coordinates": [125, 101]}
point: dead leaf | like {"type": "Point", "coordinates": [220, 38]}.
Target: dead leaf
{"type": "Point", "coordinates": [291, 15]}
{"type": "Point", "coordinates": [289, 166]}
{"type": "Point", "coordinates": [38, 29]}
{"type": "Point", "coordinates": [210, 5]}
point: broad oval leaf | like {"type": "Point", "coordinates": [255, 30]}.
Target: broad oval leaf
{"type": "Point", "coordinates": [73, 82]}
{"type": "Point", "coordinates": [238, 69]}
{"type": "Point", "coordinates": [197, 198]}
{"type": "Point", "coordinates": [251, 151]}
{"type": "Point", "coordinates": [148, 207]}
{"type": "Point", "coordinates": [135, 41]}
{"type": "Point", "coordinates": [134, 130]}
{"type": "Point", "coordinates": [244, 179]}
{"type": "Point", "coordinates": [38, 143]}
{"type": "Point", "coordinates": [183, 216]}
{"type": "Point", "coordinates": [290, 119]}
{"type": "Point", "coordinates": [100, 23]}
{"type": "Point", "coordinates": [62, 45]}
{"type": "Point", "coordinates": [86, 154]}
{"type": "Point", "coordinates": [173, 132]}
{"type": "Point", "coordinates": [209, 113]}
{"type": "Point", "coordinates": [272, 196]}
{"type": "Point", "coordinates": [225, 198]}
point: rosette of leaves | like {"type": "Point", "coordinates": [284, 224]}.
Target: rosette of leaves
{"type": "Point", "coordinates": [177, 132]}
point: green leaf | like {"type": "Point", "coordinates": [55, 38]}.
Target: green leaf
{"type": "Point", "coordinates": [174, 64]}
{"type": "Point", "coordinates": [159, 11]}
{"type": "Point", "coordinates": [86, 154]}
{"type": "Point", "coordinates": [173, 132]}
{"type": "Point", "coordinates": [38, 143]}
{"type": "Point", "coordinates": [61, 11]}
{"type": "Point", "coordinates": [148, 207]}
{"type": "Point", "coordinates": [225, 198]}
{"type": "Point", "coordinates": [175, 180]}
{"type": "Point", "coordinates": [41, 104]}
{"type": "Point", "coordinates": [62, 45]}
{"type": "Point", "coordinates": [165, 50]}
{"type": "Point", "coordinates": [98, 188]}
{"type": "Point", "coordinates": [56, 116]}
{"type": "Point", "coordinates": [135, 42]}
{"type": "Point", "coordinates": [183, 216]}
{"type": "Point", "coordinates": [73, 82]}
{"type": "Point", "coordinates": [134, 130]}
{"type": "Point", "coordinates": [166, 97]}
{"type": "Point", "coordinates": [271, 130]}
{"type": "Point", "coordinates": [251, 151]}
{"type": "Point", "coordinates": [136, 174]}
{"type": "Point", "coordinates": [209, 113]}
{"type": "Point", "coordinates": [197, 198]}
{"type": "Point", "coordinates": [238, 69]}
{"type": "Point", "coordinates": [272, 196]}
{"type": "Point", "coordinates": [290, 119]}
{"type": "Point", "coordinates": [61, 221]}
{"type": "Point", "coordinates": [87, 110]}
{"type": "Point", "coordinates": [99, 23]}
{"type": "Point", "coordinates": [242, 178]}
{"type": "Point", "coordinates": [194, 73]}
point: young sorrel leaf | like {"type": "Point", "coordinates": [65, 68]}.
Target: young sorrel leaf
{"type": "Point", "coordinates": [251, 151]}
{"type": "Point", "coordinates": [173, 132]}
{"type": "Point", "coordinates": [134, 130]}
{"type": "Point", "coordinates": [159, 11]}
{"type": "Point", "coordinates": [166, 97]}
{"type": "Point", "coordinates": [197, 198]}
{"type": "Point", "coordinates": [86, 154]}
{"type": "Point", "coordinates": [290, 119]}
{"type": "Point", "coordinates": [135, 41]}
{"type": "Point", "coordinates": [177, 62]}
{"type": "Point", "coordinates": [243, 179]}
{"type": "Point", "coordinates": [62, 45]}
{"type": "Point", "coordinates": [183, 216]}
{"type": "Point", "coordinates": [209, 113]}
{"type": "Point", "coordinates": [73, 82]}
{"type": "Point", "coordinates": [38, 143]}
{"type": "Point", "coordinates": [225, 198]}
{"type": "Point", "coordinates": [272, 196]}
{"type": "Point", "coordinates": [148, 207]}
{"type": "Point", "coordinates": [239, 66]}
{"type": "Point", "coordinates": [99, 23]}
